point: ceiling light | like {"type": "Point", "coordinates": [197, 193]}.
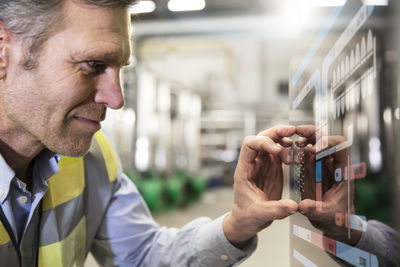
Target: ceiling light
{"type": "Point", "coordinates": [186, 5]}
{"type": "Point", "coordinates": [376, 2]}
{"type": "Point", "coordinates": [144, 6]}
{"type": "Point", "coordinates": [328, 2]}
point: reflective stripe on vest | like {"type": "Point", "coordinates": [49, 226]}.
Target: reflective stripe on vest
{"type": "Point", "coordinates": [66, 184]}
{"type": "Point", "coordinates": [63, 234]}
{"type": "Point", "coordinates": [108, 154]}
{"type": "Point", "coordinates": [4, 237]}
{"type": "Point", "coordinates": [68, 252]}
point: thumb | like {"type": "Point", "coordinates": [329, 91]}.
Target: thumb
{"type": "Point", "coordinates": [279, 209]}
{"type": "Point", "coordinates": [307, 207]}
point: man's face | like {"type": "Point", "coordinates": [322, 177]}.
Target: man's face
{"type": "Point", "coordinates": [60, 103]}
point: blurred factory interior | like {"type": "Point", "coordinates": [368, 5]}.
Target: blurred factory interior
{"type": "Point", "coordinates": [199, 82]}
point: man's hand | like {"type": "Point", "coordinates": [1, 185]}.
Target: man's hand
{"type": "Point", "coordinates": [334, 195]}
{"type": "Point", "coordinates": [258, 183]}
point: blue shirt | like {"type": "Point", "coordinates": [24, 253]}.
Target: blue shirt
{"type": "Point", "coordinates": [128, 235]}
{"type": "Point", "coordinates": [16, 201]}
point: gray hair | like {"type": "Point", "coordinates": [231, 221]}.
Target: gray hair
{"type": "Point", "coordinates": [33, 21]}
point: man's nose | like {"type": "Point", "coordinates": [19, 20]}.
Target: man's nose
{"type": "Point", "coordinates": [109, 91]}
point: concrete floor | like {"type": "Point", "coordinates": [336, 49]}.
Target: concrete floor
{"type": "Point", "coordinates": [273, 247]}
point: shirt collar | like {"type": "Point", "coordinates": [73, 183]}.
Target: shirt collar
{"type": "Point", "coordinates": [6, 176]}
{"type": "Point", "coordinates": [45, 166]}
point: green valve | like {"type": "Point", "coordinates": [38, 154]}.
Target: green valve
{"type": "Point", "coordinates": [194, 188]}
{"type": "Point", "coordinates": [151, 191]}
{"type": "Point", "coordinates": [174, 192]}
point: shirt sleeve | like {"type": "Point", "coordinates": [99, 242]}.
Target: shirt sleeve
{"type": "Point", "coordinates": [129, 236]}
{"type": "Point", "coordinates": [382, 241]}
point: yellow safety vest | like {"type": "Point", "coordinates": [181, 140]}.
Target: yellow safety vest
{"type": "Point", "coordinates": [72, 210]}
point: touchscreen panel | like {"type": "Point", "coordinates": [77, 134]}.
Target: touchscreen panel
{"type": "Point", "coordinates": [344, 102]}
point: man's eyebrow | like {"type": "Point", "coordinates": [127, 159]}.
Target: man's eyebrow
{"type": "Point", "coordinates": [113, 58]}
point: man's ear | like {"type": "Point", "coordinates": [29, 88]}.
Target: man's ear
{"type": "Point", "coordinates": [4, 42]}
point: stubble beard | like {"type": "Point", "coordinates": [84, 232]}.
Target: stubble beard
{"type": "Point", "coordinates": [72, 145]}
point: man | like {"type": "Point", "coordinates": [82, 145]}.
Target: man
{"type": "Point", "coordinates": [59, 72]}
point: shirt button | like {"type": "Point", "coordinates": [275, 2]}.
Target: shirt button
{"type": "Point", "coordinates": [224, 257]}
{"type": "Point", "coordinates": [1, 192]}
{"type": "Point", "coordinates": [22, 200]}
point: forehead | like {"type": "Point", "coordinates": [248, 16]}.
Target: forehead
{"type": "Point", "coordinates": [92, 29]}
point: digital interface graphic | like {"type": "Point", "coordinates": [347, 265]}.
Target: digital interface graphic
{"type": "Point", "coordinates": [344, 174]}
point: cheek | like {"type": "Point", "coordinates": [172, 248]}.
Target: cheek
{"type": "Point", "coordinates": [22, 95]}
{"type": "Point", "coordinates": [24, 107]}
{"type": "Point", "coordinates": [78, 88]}
{"type": "Point", "coordinates": [70, 91]}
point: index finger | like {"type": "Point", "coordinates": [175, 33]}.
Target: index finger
{"type": "Point", "coordinates": [307, 131]}
{"type": "Point", "coordinates": [252, 145]}
{"type": "Point", "coordinates": [279, 132]}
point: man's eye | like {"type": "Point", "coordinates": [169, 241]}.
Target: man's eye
{"type": "Point", "coordinates": [95, 66]}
